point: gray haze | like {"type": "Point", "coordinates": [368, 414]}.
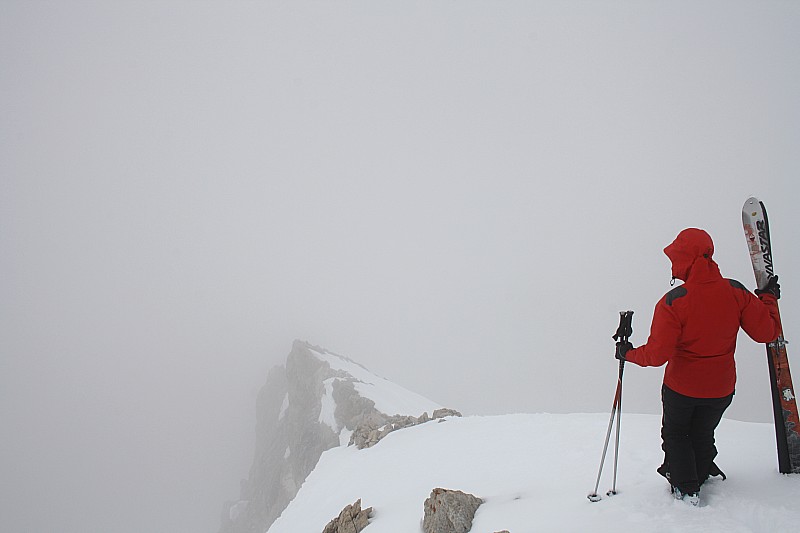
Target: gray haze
{"type": "Point", "coordinates": [458, 195]}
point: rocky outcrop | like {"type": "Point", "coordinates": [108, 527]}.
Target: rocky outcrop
{"type": "Point", "coordinates": [449, 511]}
{"type": "Point", "coordinates": [308, 406]}
{"type": "Point", "coordinates": [289, 442]}
{"type": "Point", "coordinates": [369, 432]}
{"type": "Point", "coordinates": [352, 519]}
{"type": "Point", "coordinates": [352, 409]}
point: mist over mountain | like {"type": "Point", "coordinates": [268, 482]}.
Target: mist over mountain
{"type": "Point", "coordinates": [316, 401]}
{"type": "Point", "coordinates": [459, 195]}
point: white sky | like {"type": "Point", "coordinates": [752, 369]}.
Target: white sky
{"type": "Point", "coordinates": [458, 195]}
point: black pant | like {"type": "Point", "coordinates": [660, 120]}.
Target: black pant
{"type": "Point", "coordinates": [687, 435]}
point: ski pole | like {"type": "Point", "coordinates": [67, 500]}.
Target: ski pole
{"type": "Point", "coordinates": [619, 416]}
{"type": "Point", "coordinates": [593, 496]}
{"type": "Point", "coordinates": [623, 332]}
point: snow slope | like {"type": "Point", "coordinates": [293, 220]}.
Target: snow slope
{"type": "Point", "coordinates": [534, 472]}
{"type": "Point", "coordinates": [389, 398]}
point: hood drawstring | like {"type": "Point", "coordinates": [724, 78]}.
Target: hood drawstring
{"type": "Point", "coordinates": [672, 282]}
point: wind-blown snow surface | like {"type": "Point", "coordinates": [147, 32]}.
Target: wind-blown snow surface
{"type": "Point", "coordinates": [389, 398]}
{"type": "Point", "coordinates": [534, 472]}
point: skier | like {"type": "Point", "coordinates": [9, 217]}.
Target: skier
{"type": "Point", "coordinates": [694, 331]}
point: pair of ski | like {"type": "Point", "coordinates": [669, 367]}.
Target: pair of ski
{"type": "Point", "coordinates": [784, 406]}
{"type": "Point", "coordinates": [787, 421]}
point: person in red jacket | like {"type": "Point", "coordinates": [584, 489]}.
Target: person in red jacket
{"type": "Point", "coordinates": [694, 332]}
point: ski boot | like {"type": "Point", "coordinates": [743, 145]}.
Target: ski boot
{"type": "Point", "coordinates": [691, 498]}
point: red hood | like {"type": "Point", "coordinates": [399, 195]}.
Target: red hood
{"type": "Point", "coordinates": [691, 252]}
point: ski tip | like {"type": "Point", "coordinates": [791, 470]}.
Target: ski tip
{"type": "Point", "coordinates": [594, 497]}
{"type": "Point", "coordinates": [751, 202]}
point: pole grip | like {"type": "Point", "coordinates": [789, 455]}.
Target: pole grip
{"type": "Point", "coordinates": [625, 329]}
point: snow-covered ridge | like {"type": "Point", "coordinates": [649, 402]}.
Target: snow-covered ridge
{"type": "Point", "coordinates": [317, 401]}
{"type": "Point", "coordinates": [534, 472]}
{"type": "Point", "coordinates": [389, 398]}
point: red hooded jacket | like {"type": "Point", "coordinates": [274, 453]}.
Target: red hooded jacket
{"type": "Point", "coordinates": [695, 325]}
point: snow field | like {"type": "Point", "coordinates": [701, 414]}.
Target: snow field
{"type": "Point", "coordinates": [534, 472]}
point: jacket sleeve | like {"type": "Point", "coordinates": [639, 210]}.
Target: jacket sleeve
{"type": "Point", "coordinates": [761, 318]}
{"type": "Point", "coordinates": [665, 333]}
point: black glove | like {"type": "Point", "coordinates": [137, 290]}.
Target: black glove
{"type": "Point", "coordinates": [772, 287]}
{"type": "Point", "coordinates": [622, 349]}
